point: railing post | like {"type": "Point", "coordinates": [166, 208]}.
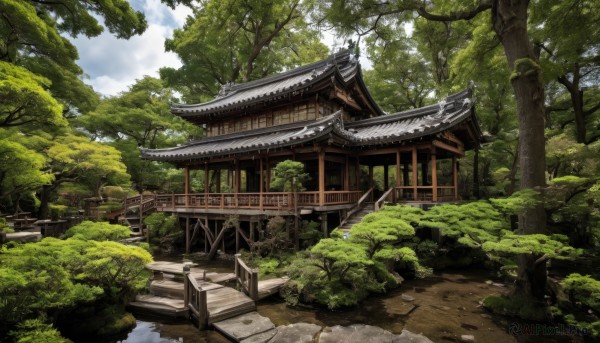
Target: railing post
{"type": "Point", "coordinates": [202, 310]}
{"type": "Point", "coordinates": [254, 285]}
{"type": "Point", "coordinates": [186, 285]}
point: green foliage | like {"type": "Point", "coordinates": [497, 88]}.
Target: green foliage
{"type": "Point", "coordinates": [260, 39]}
{"type": "Point", "coordinates": [518, 202]}
{"type": "Point", "coordinates": [470, 224]}
{"type": "Point", "coordinates": [550, 247]}
{"type": "Point", "coordinates": [583, 290]}
{"type": "Point", "coordinates": [160, 224]}
{"type": "Point", "coordinates": [26, 100]}
{"type": "Point", "coordinates": [377, 230]}
{"type": "Point", "coordinates": [36, 331]}
{"type": "Point", "coordinates": [98, 231]}
{"type": "Point", "coordinates": [288, 176]}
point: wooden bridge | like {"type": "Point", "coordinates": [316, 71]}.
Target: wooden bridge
{"type": "Point", "coordinates": [184, 291]}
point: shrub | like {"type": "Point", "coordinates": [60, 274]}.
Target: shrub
{"type": "Point", "coordinates": [98, 231]}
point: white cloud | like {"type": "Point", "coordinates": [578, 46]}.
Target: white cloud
{"type": "Point", "coordinates": [114, 64]}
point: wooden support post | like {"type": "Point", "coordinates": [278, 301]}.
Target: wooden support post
{"type": "Point", "coordinates": [219, 239]}
{"type": "Point", "coordinates": [237, 180]}
{"type": "Point", "coordinates": [186, 285]}
{"type": "Point", "coordinates": [251, 232]}
{"type": "Point", "coordinates": [357, 173]}
{"type": "Point", "coordinates": [414, 172]}
{"type": "Point", "coordinates": [206, 190]}
{"type": "Point", "coordinates": [187, 186]}
{"type": "Point", "coordinates": [347, 175]}
{"type": "Point", "coordinates": [324, 224]}
{"type": "Point", "coordinates": [237, 238]}
{"type": "Point", "coordinates": [206, 234]}
{"type": "Point", "coordinates": [455, 177]}
{"type": "Point", "coordinates": [268, 183]}
{"type": "Point", "coordinates": [396, 195]}
{"type": "Point", "coordinates": [262, 184]}
{"type": "Point", "coordinates": [434, 183]}
{"type": "Point", "coordinates": [321, 177]}
{"type": "Point", "coordinates": [187, 235]}
{"type": "Point", "coordinates": [386, 176]}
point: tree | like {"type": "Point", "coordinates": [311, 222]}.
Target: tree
{"type": "Point", "coordinates": [237, 41]}
{"type": "Point", "coordinates": [509, 23]}
{"type": "Point", "coordinates": [21, 172]}
{"type": "Point", "coordinates": [139, 117]}
{"type": "Point", "coordinates": [289, 176]}
{"type": "Point", "coordinates": [376, 230]}
{"type": "Point", "coordinates": [25, 99]}
{"type": "Point", "coordinates": [566, 37]}
{"type": "Point", "coordinates": [74, 158]}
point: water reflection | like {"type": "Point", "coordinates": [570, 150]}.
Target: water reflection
{"type": "Point", "coordinates": [152, 331]}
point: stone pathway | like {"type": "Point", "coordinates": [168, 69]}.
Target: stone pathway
{"type": "Point", "coordinates": [254, 328]}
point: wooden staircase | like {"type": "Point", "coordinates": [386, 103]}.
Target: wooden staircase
{"type": "Point", "coordinates": [357, 216]}
{"type": "Point", "coordinates": [184, 291]}
{"type": "Point", "coordinates": [135, 210]}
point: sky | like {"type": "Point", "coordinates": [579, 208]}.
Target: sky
{"type": "Point", "coordinates": [112, 65]}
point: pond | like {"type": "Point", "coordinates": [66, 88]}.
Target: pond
{"type": "Point", "coordinates": [443, 307]}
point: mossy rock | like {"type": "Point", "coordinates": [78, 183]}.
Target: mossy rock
{"type": "Point", "coordinates": [517, 307]}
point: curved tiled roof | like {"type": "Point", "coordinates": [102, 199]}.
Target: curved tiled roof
{"type": "Point", "coordinates": [255, 140]}
{"type": "Point", "coordinates": [390, 128]}
{"type": "Point", "coordinates": [343, 65]}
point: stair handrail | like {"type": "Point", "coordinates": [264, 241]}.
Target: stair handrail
{"type": "Point", "coordinates": [378, 205]}
{"type": "Point", "coordinates": [246, 277]}
{"type": "Point", "coordinates": [194, 298]}
{"type": "Point", "coordinates": [358, 206]}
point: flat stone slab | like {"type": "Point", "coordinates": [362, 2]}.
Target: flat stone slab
{"type": "Point", "coordinates": [296, 333]}
{"type": "Point", "coordinates": [356, 333]}
{"type": "Point", "coordinates": [244, 326]}
{"type": "Point", "coordinates": [360, 333]}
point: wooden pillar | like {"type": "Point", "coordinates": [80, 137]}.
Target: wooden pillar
{"type": "Point", "coordinates": [424, 172]}
{"type": "Point", "coordinates": [357, 173]}
{"type": "Point", "coordinates": [347, 175]}
{"type": "Point", "coordinates": [187, 185]}
{"type": "Point", "coordinates": [237, 238]}
{"type": "Point", "coordinates": [261, 186]}
{"type": "Point", "coordinates": [187, 235]}
{"type": "Point", "coordinates": [268, 185]}
{"type": "Point", "coordinates": [434, 175]}
{"type": "Point", "coordinates": [414, 172]}
{"type": "Point", "coordinates": [324, 224]}
{"type": "Point", "coordinates": [237, 180]}
{"type": "Point", "coordinates": [455, 177]}
{"type": "Point", "coordinates": [321, 177]}
{"type": "Point", "coordinates": [398, 184]}
{"type": "Point", "coordinates": [207, 228]}
{"type": "Point", "coordinates": [218, 180]}
{"type": "Point", "coordinates": [386, 176]}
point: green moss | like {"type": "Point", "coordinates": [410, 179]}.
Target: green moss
{"type": "Point", "coordinates": [517, 307]}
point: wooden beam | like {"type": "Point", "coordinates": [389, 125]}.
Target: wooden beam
{"type": "Point", "coordinates": [434, 175]}
{"type": "Point", "coordinates": [321, 178]}
{"type": "Point", "coordinates": [449, 147]}
{"type": "Point", "coordinates": [392, 150]}
{"type": "Point", "coordinates": [237, 181]}
{"type": "Point", "coordinates": [213, 248]}
{"type": "Point", "coordinates": [414, 172]}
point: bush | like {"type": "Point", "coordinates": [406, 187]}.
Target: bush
{"type": "Point", "coordinates": [583, 290]}
{"type": "Point", "coordinates": [98, 231]}
{"type": "Point", "coordinates": [161, 225]}
{"type": "Point", "coordinates": [36, 331]}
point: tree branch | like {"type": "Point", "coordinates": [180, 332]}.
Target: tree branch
{"type": "Point", "coordinates": [455, 16]}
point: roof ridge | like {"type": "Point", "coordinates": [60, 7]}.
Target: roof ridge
{"type": "Point", "coordinates": [329, 61]}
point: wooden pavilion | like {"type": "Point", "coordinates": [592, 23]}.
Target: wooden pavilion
{"type": "Point", "coordinates": [322, 115]}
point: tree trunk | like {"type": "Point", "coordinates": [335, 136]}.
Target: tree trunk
{"type": "Point", "coordinates": [509, 19]}
{"type": "Point", "coordinates": [577, 102]}
{"type": "Point", "coordinates": [476, 191]}
{"type": "Point", "coordinates": [44, 210]}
